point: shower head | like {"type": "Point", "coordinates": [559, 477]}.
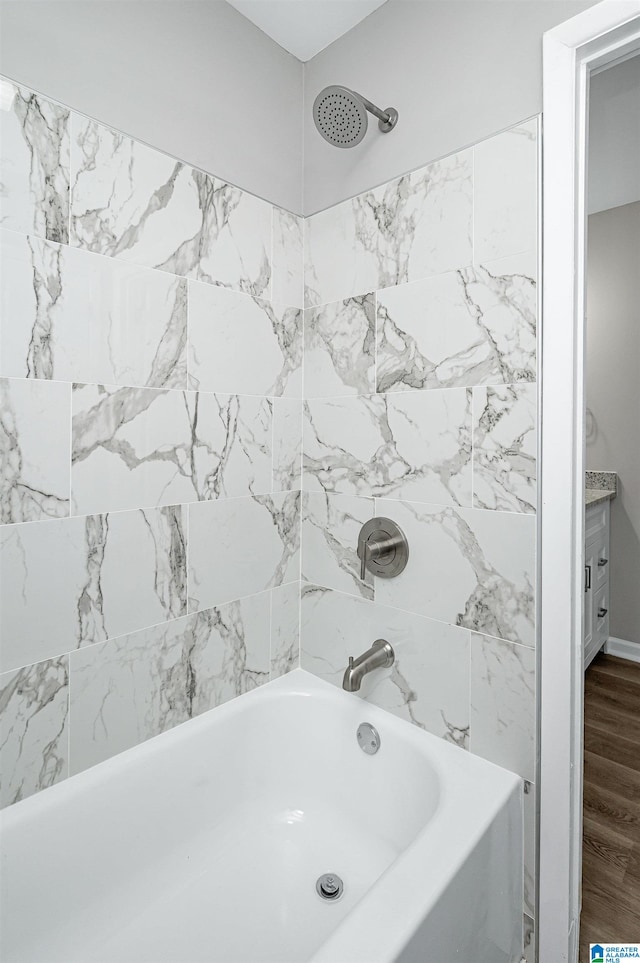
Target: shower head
{"type": "Point", "coordinates": [340, 115]}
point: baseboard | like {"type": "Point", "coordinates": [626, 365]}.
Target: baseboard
{"type": "Point", "coordinates": [623, 649]}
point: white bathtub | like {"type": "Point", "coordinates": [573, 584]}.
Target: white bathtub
{"type": "Point", "coordinates": [206, 842]}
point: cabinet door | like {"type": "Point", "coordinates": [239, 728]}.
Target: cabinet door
{"type": "Point", "coordinates": [589, 570]}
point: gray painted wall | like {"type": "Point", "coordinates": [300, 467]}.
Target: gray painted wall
{"type": "Point", "coordinates": [613, 395]}
{"type": "Point", "coordinates": [457, 72]}
{"type": "Point", "coordinates": [170, 75]}
{"type": "Point", "coordinates": [614, 136]}
{"type": "Point", "coordinates": [195, 79]}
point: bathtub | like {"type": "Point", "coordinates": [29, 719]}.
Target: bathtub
{"type": "Point", "coordinates": [205, 844]}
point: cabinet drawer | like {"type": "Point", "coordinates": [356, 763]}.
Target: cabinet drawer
{"type": "Point", "coordinates": [601, 615]}
{"type": "Point", "coordinates": [596, 520]}
{"type": "Point", "coordinates": [600, 555]}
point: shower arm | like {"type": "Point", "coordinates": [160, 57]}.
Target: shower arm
{"type": "Point", "coordinates": [382, 115]}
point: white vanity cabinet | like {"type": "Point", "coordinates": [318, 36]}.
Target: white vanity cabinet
{"type": "Point", "coordinates": [596, 579]}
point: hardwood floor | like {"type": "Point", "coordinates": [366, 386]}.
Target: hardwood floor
{"type": "Point", "coordinates": [611, 845]}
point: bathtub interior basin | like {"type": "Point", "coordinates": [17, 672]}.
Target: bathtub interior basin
{"type": "Point", "coordinates": [205, 843]}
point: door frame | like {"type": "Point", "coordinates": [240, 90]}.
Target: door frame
{"type": "Point", "coordinates": [595, 38]}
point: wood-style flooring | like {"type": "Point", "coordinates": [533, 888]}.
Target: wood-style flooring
{"type": "Point", "coordinates": [611, 846]}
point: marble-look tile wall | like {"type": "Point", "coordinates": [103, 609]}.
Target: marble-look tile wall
{"type": "Point", "coordinates": [179, 449]}
{"type": "Point", "coordinates": [151, 346]}
{"type": "Point", "coordinates": [420, 405]}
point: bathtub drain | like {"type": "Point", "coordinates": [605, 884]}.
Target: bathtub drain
{"type": "Point", "coordinates": [329, 886]}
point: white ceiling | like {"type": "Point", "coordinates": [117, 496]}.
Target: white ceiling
{"type": "Point", "coordinates": [305, 27]}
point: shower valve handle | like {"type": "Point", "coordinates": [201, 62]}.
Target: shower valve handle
{"type": "Point", "coordinates": [382, 548]}
{"type": "Point", "coordinates": [375, 549]}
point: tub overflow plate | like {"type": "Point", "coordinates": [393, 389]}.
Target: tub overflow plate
{"type": "Point", "coordinates": [329, 886]}
{"type": "Point", "coordinates": [368, 738]}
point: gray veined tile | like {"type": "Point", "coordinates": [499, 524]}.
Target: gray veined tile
{"type": "Point", "coordinates": [473, 326]}
{"type": "Point", "coordinates": [137, 446]}
{"type": "Point", "coordinates": [504, 448]}
{"type": "Point", "coordinates": [135, 203]}
{"type": "Point", "coordinates": [467, 567]}
{"type": "Point", "coordinates": [287, 444]}
{"type": "Point", "coordinates": [412, 227]}
{"type": "Point", "coordinates": [34, 155]}
{"type": "Point", "coordinates": [428, 684]}
{"type": "Point", "coordinates": [331, 524]}
{"type": "Point", "coordinates": [70, 315]}
{"type": "Point", "coordinates": [257, 546]}
{"type": "Point", "coordinates": [130, 689]}
{"type": "Point", "coordinates": [285, 629]}
{"type": "Point", "coordinates": [131, 446]}
{"type": "Point", "coordinates": [339, 348]}
{"type": "Point", "coordinates": [231, 445]}
{"type": "Point", "coordinates": [34, 716]}
{"type": "Point", "coordinates": [75, 581]}
{"type": "Point", "coordinates": [236, 244]}
{"type": "Point", "coordinates": [505, 193]}
{"type": "Point", "coordinates": [35, 450]}
{"type": "Point", "coordinates": [242, 345]}
{"type": "Point", "coordinates": [412, 445]}
{"type": "Point", "coordinates": [502, 698]}
{"type": "Point", "coordinates": [288, 258]}
{"type": "Point", "coordinates": [132, 202]}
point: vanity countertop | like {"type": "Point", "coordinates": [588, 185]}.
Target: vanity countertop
{"type": "Point", "coordinates": [599, 486]}
{"type": "Point", "coordinates": [593, 496]}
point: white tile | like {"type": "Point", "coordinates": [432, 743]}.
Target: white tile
{"type": "Point", "coordinates": [505, 448]}
{"type": "Point", "coordinates": [505, 187]}
{"type": "Point", "coordinates": [287, 444]}
{"type": "Point", "coordinates": [74, 316]}
{"type": "Point", "coordinates": [339, 348]}
{"type": "Point", "coordinates": [466, 567]}
{"type": "Point", "coordinates": [75, 581]}
{"type": "Point", "coordinates": [412, 227]}
{"type": "Point", "coordinates": [35, 447]}
{"type": "Point", "coordinates": [231, 450]}
{"type": "Point", "coordinates": [428, 684]}
{"type": "Point", "coordinates": [130, 689]}
{"type": "Point", "coordinates": [34, 156]}
{"type": "Point", "coordinates": [474, 326]}
{"type": "Point", "coordinates": [241, 546]}
{"type": "Point", "coordinates": [136, 446]}
{"type": "Point", "coordinates": [34, 716]}
{"type": "Point", "coordinates": [236, 241]}
{"type": "Point", "coordinates": [331, 524]}
{"type": "Point", "coordinates": [143, 571]}
{"type": "Point", "coordinates": [502, 700]}
{"type": "Point", "coordinates": [288, 258]}
{"type": "Point", "coordinates": [135, 203]}
{"type": "Point", "coordinates": [131, 446]}
{"type": "Point", "coordinates": [242, 345]}
{"type": "Point", "coordinates": [285, 629]}
{"type": "Point", "coordinates": [411, 445]}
